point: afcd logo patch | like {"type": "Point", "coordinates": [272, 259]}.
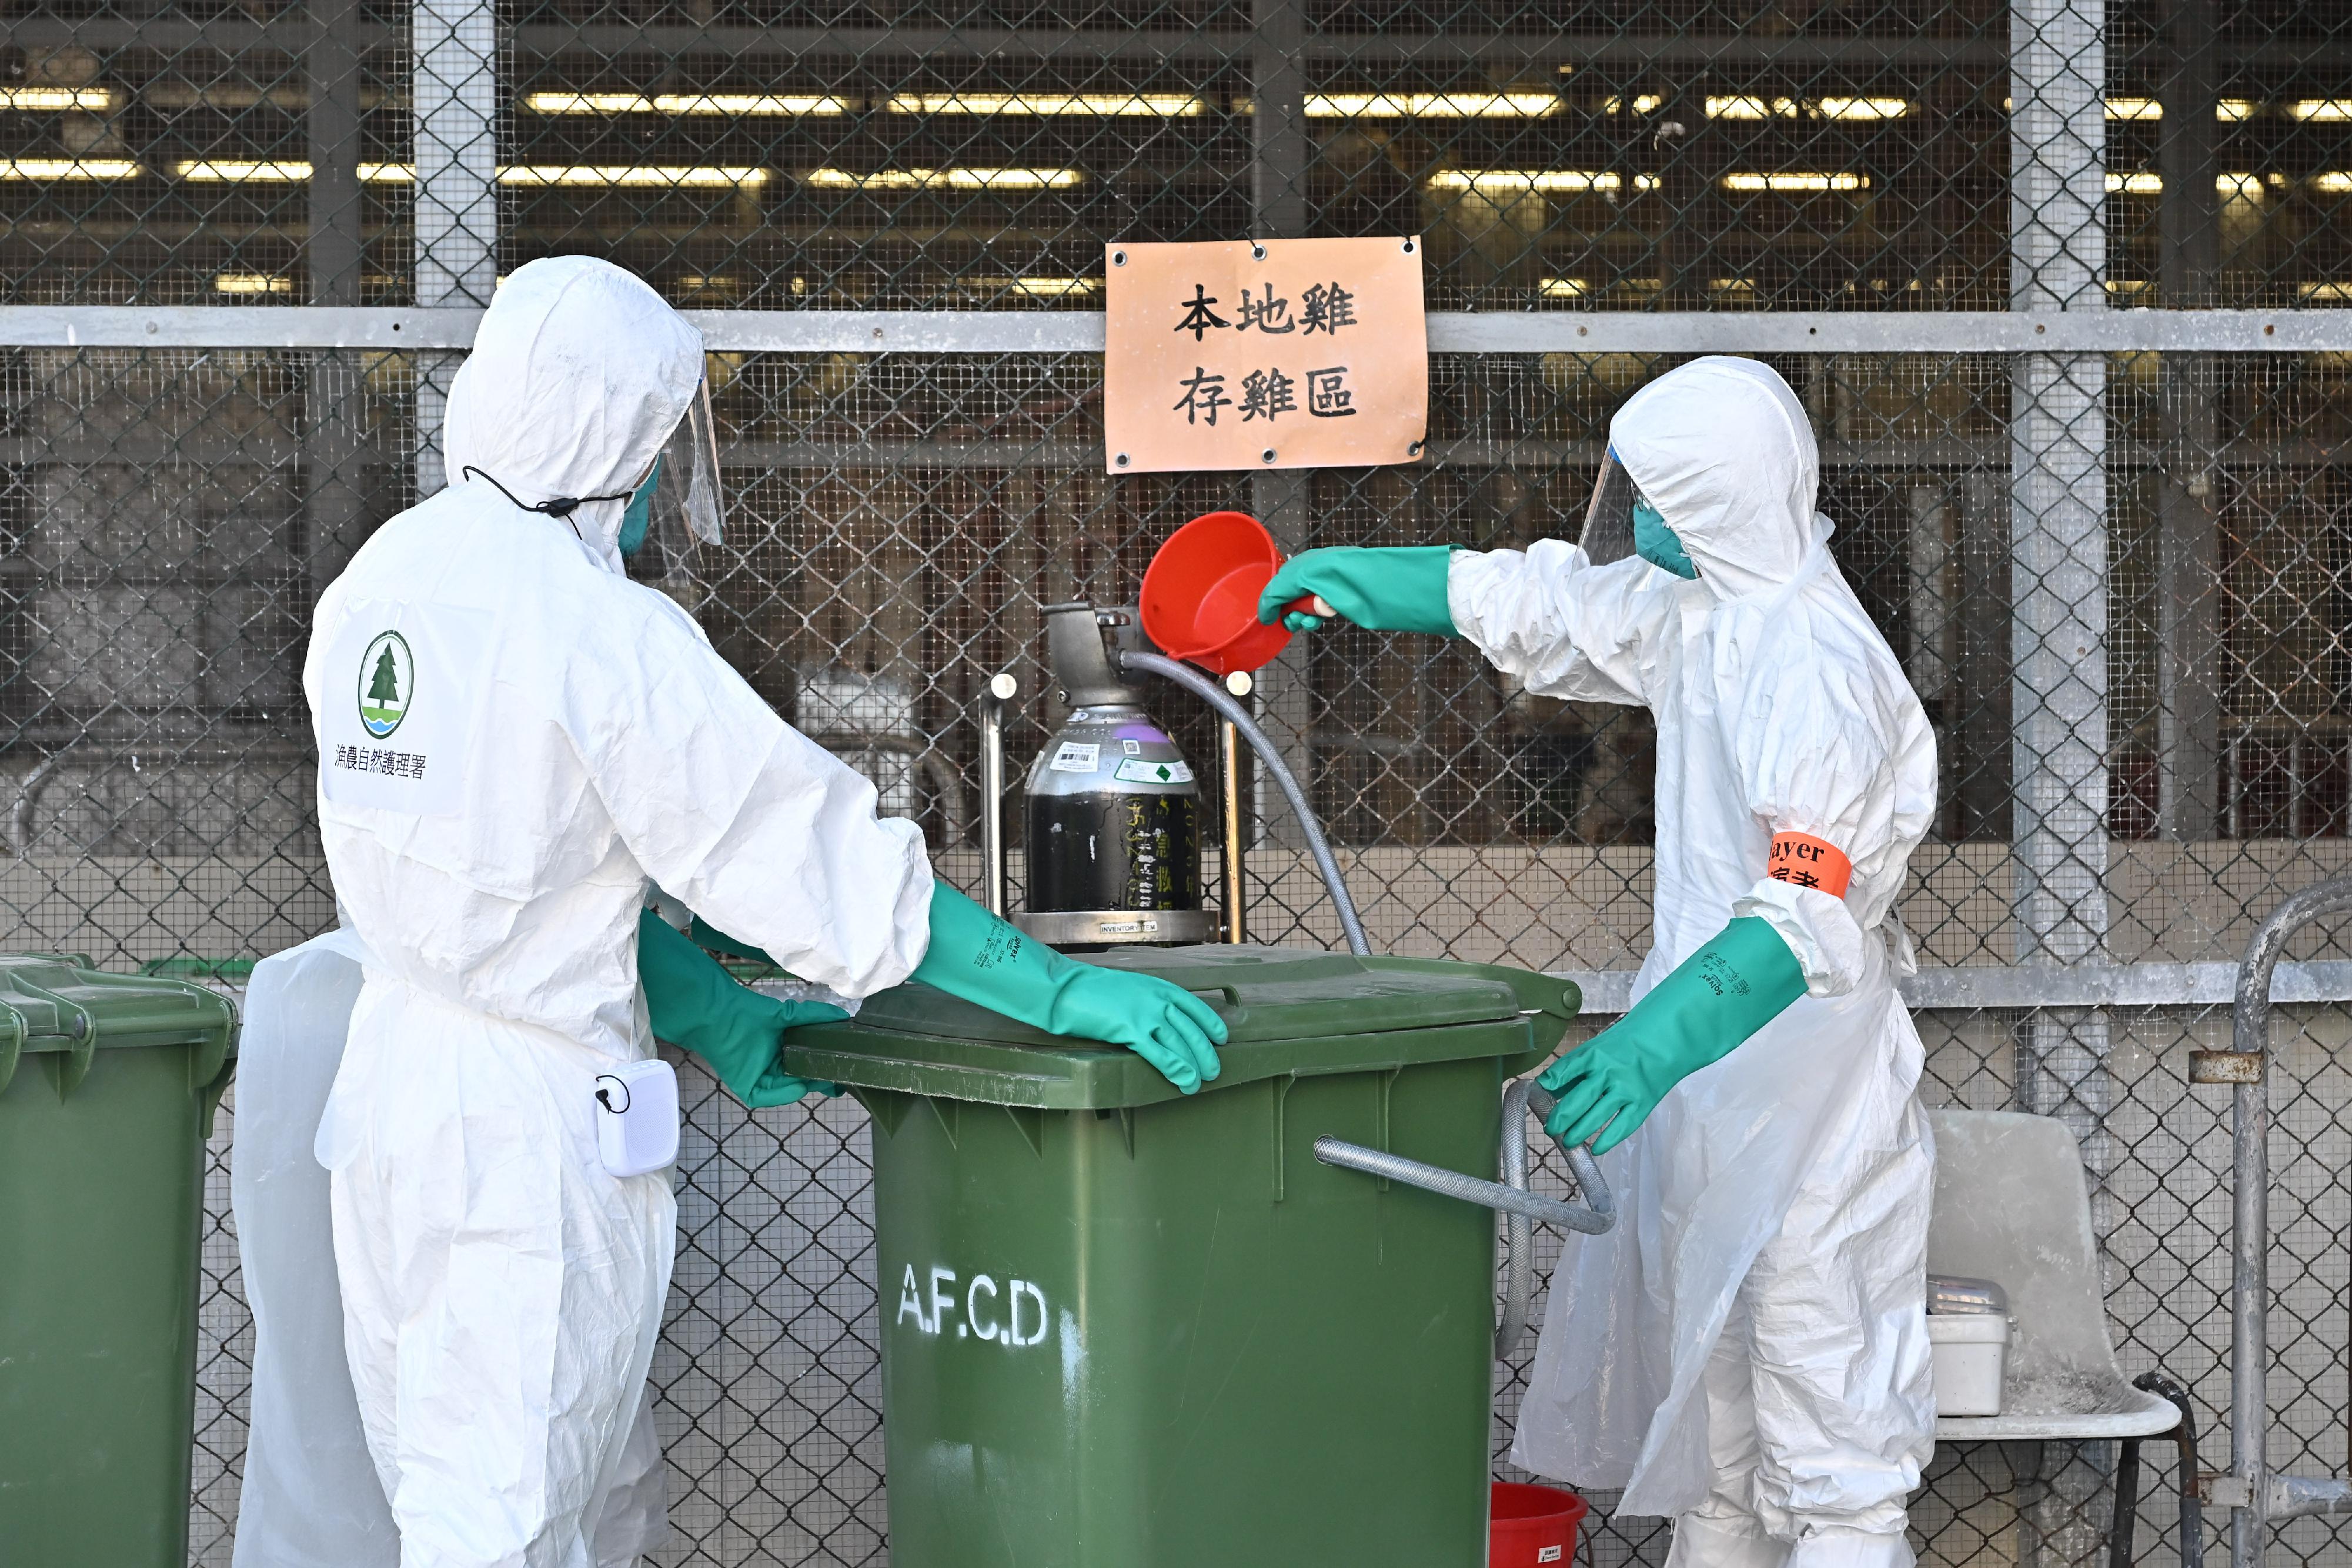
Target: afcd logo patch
{"type": "Point", "coordinates": [387, 682]}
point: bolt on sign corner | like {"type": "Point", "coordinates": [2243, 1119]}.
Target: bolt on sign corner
{"type": "Point", "coordinates": [1297, 353]}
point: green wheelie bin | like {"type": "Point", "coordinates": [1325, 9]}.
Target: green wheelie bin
{"type": "Point", "coordinates": [1127, 1328]}
{"type": "Point", "coordinates": [108, 1084]}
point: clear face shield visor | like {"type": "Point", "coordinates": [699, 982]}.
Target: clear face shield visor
{"type": "Point", "coordinates": [1608, 533]}
{"type": "Point", "coordinates": [680, 506]}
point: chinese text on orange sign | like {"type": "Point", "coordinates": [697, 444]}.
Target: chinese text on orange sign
{"type": "Point", "coordinates": [1269, 354]}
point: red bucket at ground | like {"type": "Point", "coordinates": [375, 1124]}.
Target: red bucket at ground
{"type": "Point", "coordinates": [1532, 1527]}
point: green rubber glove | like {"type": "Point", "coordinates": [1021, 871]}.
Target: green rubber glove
{"type": "Point", "coordinates": [712, 939]}
{"type": "Point", "coordinates": [1382, 589]}
{"type": "Point", "coordinates": [1739, 981]}
{"type": "Point", "coordinates": [694, 1002]}
{"type": "Point", "coordinates": [975, 956]}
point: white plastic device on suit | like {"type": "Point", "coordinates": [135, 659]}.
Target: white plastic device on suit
{"type": "Point", "coordinates": [638, 1121]}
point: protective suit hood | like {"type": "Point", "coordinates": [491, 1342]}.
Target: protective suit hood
{"type": "Point", "coordinates": [579, 373]}
{"type": "Point", "coordinates": [1723, 450]}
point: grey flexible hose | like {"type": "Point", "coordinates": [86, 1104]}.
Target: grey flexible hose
{"type": "Point", "coordinates": [1217, 697]}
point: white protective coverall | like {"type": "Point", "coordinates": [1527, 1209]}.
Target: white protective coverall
{"type": "Point", "coordinates": [1747, 1351]}
{"type": "Point", "coordinates": [564, 734]}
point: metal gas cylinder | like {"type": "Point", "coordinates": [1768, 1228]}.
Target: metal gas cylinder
{"type": "Point", "coordinates": [1113, 810]}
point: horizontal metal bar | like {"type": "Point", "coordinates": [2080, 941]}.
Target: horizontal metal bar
{"type": "Point", "coordinates": [176, 33]}
{"type": "Point", "coordinates": [1889, 331]}
{"type": "Point", "coordinates": [146, 445]}
{"type": "Point", "coordinates": [904, 331]}
{"type": "Point", "coordinates": [1081, 332]}
{"type": "Point", "coordinates": [1611, 991]}
{"type": "Point", "coordinates": [235, 327]}
{"type": "Point", "coordinates": [1237, 46]}
{"type": "Point", "coordinates": [1192, 45]}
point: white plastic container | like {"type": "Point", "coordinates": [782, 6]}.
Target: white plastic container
{"type": "Point", "coordinates": [1969, 1351]}
{"type": "Point", "coordinates": [637, 1117]}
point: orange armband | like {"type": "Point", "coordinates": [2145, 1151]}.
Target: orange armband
{"type": "Point", "coordinates": [1809, 861]}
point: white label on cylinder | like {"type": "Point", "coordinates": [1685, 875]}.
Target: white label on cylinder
{"type": "Point", "coordinates": [1076, 757]}
{"type": "Point", "coordinates": [1134, 771]}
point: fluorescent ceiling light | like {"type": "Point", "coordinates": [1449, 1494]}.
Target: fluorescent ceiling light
{"type": "Point", "coordinates": [2227, 108]}
{"type": "Point", "coordinates": [1644, 103]}
{"type": "Point", "coordinates": [98, 100]}
{"type": "Point", "coordinates": [2336, 181]}
{"type": "Point", "coordinates": [2320, 109]}
{"type": "Point", "coordinates": [1432, 105]}
{"type": "Point", "coordinates": [1548, 180]}
{"type": "Point", "coordinates": [238, 171]}
{"type": "Point", "coordinates": [69, 169]}
{"type": "Point", "coordinates": [1753, 108]}
{"type": "Point", "coordinates": [251, 283]}
{"type": "Point", "coordinates": [1042, 287]}
{"type": "Point", "coordinates": [2325, 293]}
{"type": "Point", "coordinates": [662, 176]}
{"type": "Point", "coordinates": [1562, 288]}
{"type": "Point", "coordinates": [1796, 182]}
{"type": "Point", "coordinates": [2147, 184]}
{"type": "Point", "coordinates": [1863, 108]}
{"type": "Point", "coordinates": [718, 103]}
{"type": "Point", "coordinates": [1152, 105]}
{"type": "Point", "coordinates": [945, 179]}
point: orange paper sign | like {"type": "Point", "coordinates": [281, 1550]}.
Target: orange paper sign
{"type": "Point", "coordinates": [1293, 354]}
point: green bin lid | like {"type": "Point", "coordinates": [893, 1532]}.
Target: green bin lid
{"type": "Point", "coordinates": [51, 1003]}
{"type": "Point", "coordinates": [1287, 1011]}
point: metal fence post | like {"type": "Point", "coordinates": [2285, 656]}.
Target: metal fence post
{"type": "Point", "coordinates": [455, 114]}
{"type": "Point", "coordinates": [1279, 152]}
{"type": "Point", "coordinates": [334, 483]}
{"type": "Point", "coordinates": [2189, 699]}
{"type": "Point", "coordinates": [2058, 542]}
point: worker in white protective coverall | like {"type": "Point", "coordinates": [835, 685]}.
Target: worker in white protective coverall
{"type": "Point", "coordinates": [1747, 1351]}
{"type": "Point", "coordinates": [513, 739]}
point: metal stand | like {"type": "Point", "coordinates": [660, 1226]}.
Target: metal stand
{"type": "Point", "coordinates": [2257, 1498]}
{"type": "Point", "coordinates": [1229, 762]}
{"type": "Point", "coordinates": [2126, 1517]}
{"type": "Point", "coordinates": [1001, 687]}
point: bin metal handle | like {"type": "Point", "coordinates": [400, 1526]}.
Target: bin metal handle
{"type": "Point", "coordinates": [1519, 1206]}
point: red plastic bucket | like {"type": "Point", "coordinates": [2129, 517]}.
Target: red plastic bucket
{"type": "Point", "coordinates": [1531, 1527]}
{"type": "Point", "coordinates": [1200, 593]}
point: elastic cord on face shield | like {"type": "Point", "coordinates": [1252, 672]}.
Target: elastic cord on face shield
{"type": "Point", "coordinates": [562, 506]}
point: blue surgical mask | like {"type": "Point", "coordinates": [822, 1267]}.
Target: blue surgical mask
{"type": "Point", "coordinates": [640, 514]}
{"type": "Point", "coordinates": [1656, 543]}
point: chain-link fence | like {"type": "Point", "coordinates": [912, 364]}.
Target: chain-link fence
{"type": "Point", "coordinates": [2117, 568]}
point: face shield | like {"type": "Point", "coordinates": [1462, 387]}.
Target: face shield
{"type": "Point", "coordinates": [680, 504]}
{"type": "Point", "coordinates": [1619, 521]}
{"type": "Point", "coordinates": [1608, 533]}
